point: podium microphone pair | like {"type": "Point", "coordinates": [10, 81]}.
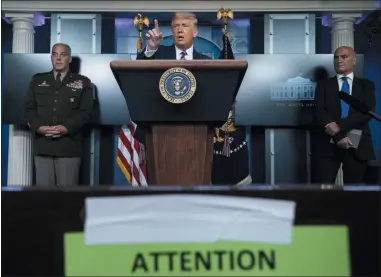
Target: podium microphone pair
{"type": "Point", "coordinates": [358, 105]}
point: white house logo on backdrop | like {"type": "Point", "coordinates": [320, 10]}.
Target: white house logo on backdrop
{"type": "Point", "coordinates": [294, 89]}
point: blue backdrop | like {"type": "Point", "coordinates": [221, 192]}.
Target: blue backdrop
{"type": "Point", "coordinates": [373, 72]}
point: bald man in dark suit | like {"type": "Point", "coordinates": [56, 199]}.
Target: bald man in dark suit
{"type": "Point", "coordinates": [333, 119]}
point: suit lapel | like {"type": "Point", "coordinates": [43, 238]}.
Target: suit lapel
{"type": "Point", "coordinates": [356, 87]}
{"type": "Point", "coordinates": [333, 87]}
{"type": "Point", "coordinates": [50, 79]}
{"type": "Point", "coordinates": [333, 90]}
{"type": "Point", "coordinates": [196, 55]}
{"type": "Point", "coordinates": [172, 53]}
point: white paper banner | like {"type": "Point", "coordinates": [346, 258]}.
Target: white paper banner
{"type": "Point", "coordinates": [182, 218]}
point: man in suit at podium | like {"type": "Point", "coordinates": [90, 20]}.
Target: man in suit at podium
{"type": "Point", "coordinates": [184, 30]}
{"type": "Point", "coordinates": [59, 103]}
{"type": "Point", "coordinates": [230, 168]}
{"type": "Point", "coordinates": [341, 134]}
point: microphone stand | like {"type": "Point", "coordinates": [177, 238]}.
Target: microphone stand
{"type": "Point", "coordinates": [358, 105]}
{"type": "Point", "coordinates": [375, 116]}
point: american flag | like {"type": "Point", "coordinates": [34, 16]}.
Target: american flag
{"type": "Point", "coordinates": [131, 156]}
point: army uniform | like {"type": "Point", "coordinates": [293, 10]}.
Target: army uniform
{"type": "Point", "coordinates": [66, 101]}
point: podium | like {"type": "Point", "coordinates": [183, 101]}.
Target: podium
{"type": "Point", "coordinates": [179, 136]}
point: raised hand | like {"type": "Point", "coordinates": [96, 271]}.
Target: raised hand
{"type": "Point", "coordinates": [154, 37]}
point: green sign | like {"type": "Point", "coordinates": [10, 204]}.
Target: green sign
{"type": "Point", "coordinates": [315, 251]}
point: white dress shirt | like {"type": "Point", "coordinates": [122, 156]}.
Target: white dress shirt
{"type": "Point", "coordinates": [340, 83]}
{"type": "Point", "coordinates": [188, 56]}
{"type": "Point", "coordinates": [350, 81]}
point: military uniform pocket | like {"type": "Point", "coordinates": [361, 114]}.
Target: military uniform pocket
{"type": "Point", "coordinates": [74, 101]}
{"type": "Point", "coordinates": [40, 99]}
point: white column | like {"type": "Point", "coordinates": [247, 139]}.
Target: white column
{"type": "Point", "coordinates": [20, 160]}
{"type": "Point", "coordinates": [342, 34]}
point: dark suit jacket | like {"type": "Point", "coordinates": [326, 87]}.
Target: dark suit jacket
{"type": "Point", "coordinates": [328, 109]}
{"type": "Point", "coordinates": [169, 53]}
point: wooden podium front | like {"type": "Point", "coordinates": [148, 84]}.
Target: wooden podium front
{"type": "Point", "coordinates": [181, 154]}
{"type": "Point", "coordinates": [179, 137]}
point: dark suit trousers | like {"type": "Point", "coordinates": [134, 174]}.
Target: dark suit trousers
{"type": "Point", "coordinates": [326, 167]}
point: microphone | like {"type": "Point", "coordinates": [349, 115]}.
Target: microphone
{"type": "Point", "coordinates": [358, 105]}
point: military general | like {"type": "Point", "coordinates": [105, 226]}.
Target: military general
{"type": "Point", "coordinates": [59, 103]}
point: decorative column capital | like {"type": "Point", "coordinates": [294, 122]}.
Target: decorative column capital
{"type": "Point", "coordinates": [31, 19]}
{"type": "Point", "coordinates": [343, 29]}
{"type": "Point", "coordinates": [344, 19]}
{"type": "Point", "coordinates": [348, 16]}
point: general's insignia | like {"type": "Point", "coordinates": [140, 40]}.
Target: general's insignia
{"type": "Point", "coordinates": [44, 84]}
{"type": "Point", "coordinates": [76, 84]}
{"type": "Point", "coordinates": [177, 85]}
{"type": "Point", "coordinates": [72, 99]}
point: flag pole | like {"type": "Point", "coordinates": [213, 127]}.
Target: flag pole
{"type": "Point", "coordinates": [225, 14]}
{"type": "Point", "coordinates": [228, 127]}
{"type": "Point", "coordinates": [139, 22]}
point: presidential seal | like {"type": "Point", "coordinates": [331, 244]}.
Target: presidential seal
{"type": "Point", "coordinates": [177, 85]}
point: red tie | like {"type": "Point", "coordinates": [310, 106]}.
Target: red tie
{"type": "Point", "coordinates": [183, 54]}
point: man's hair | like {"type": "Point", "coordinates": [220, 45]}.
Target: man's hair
{"type": "Point", "coordinates": [68, 48]}
{"type": "Point", "coordinates": [187, 15]}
